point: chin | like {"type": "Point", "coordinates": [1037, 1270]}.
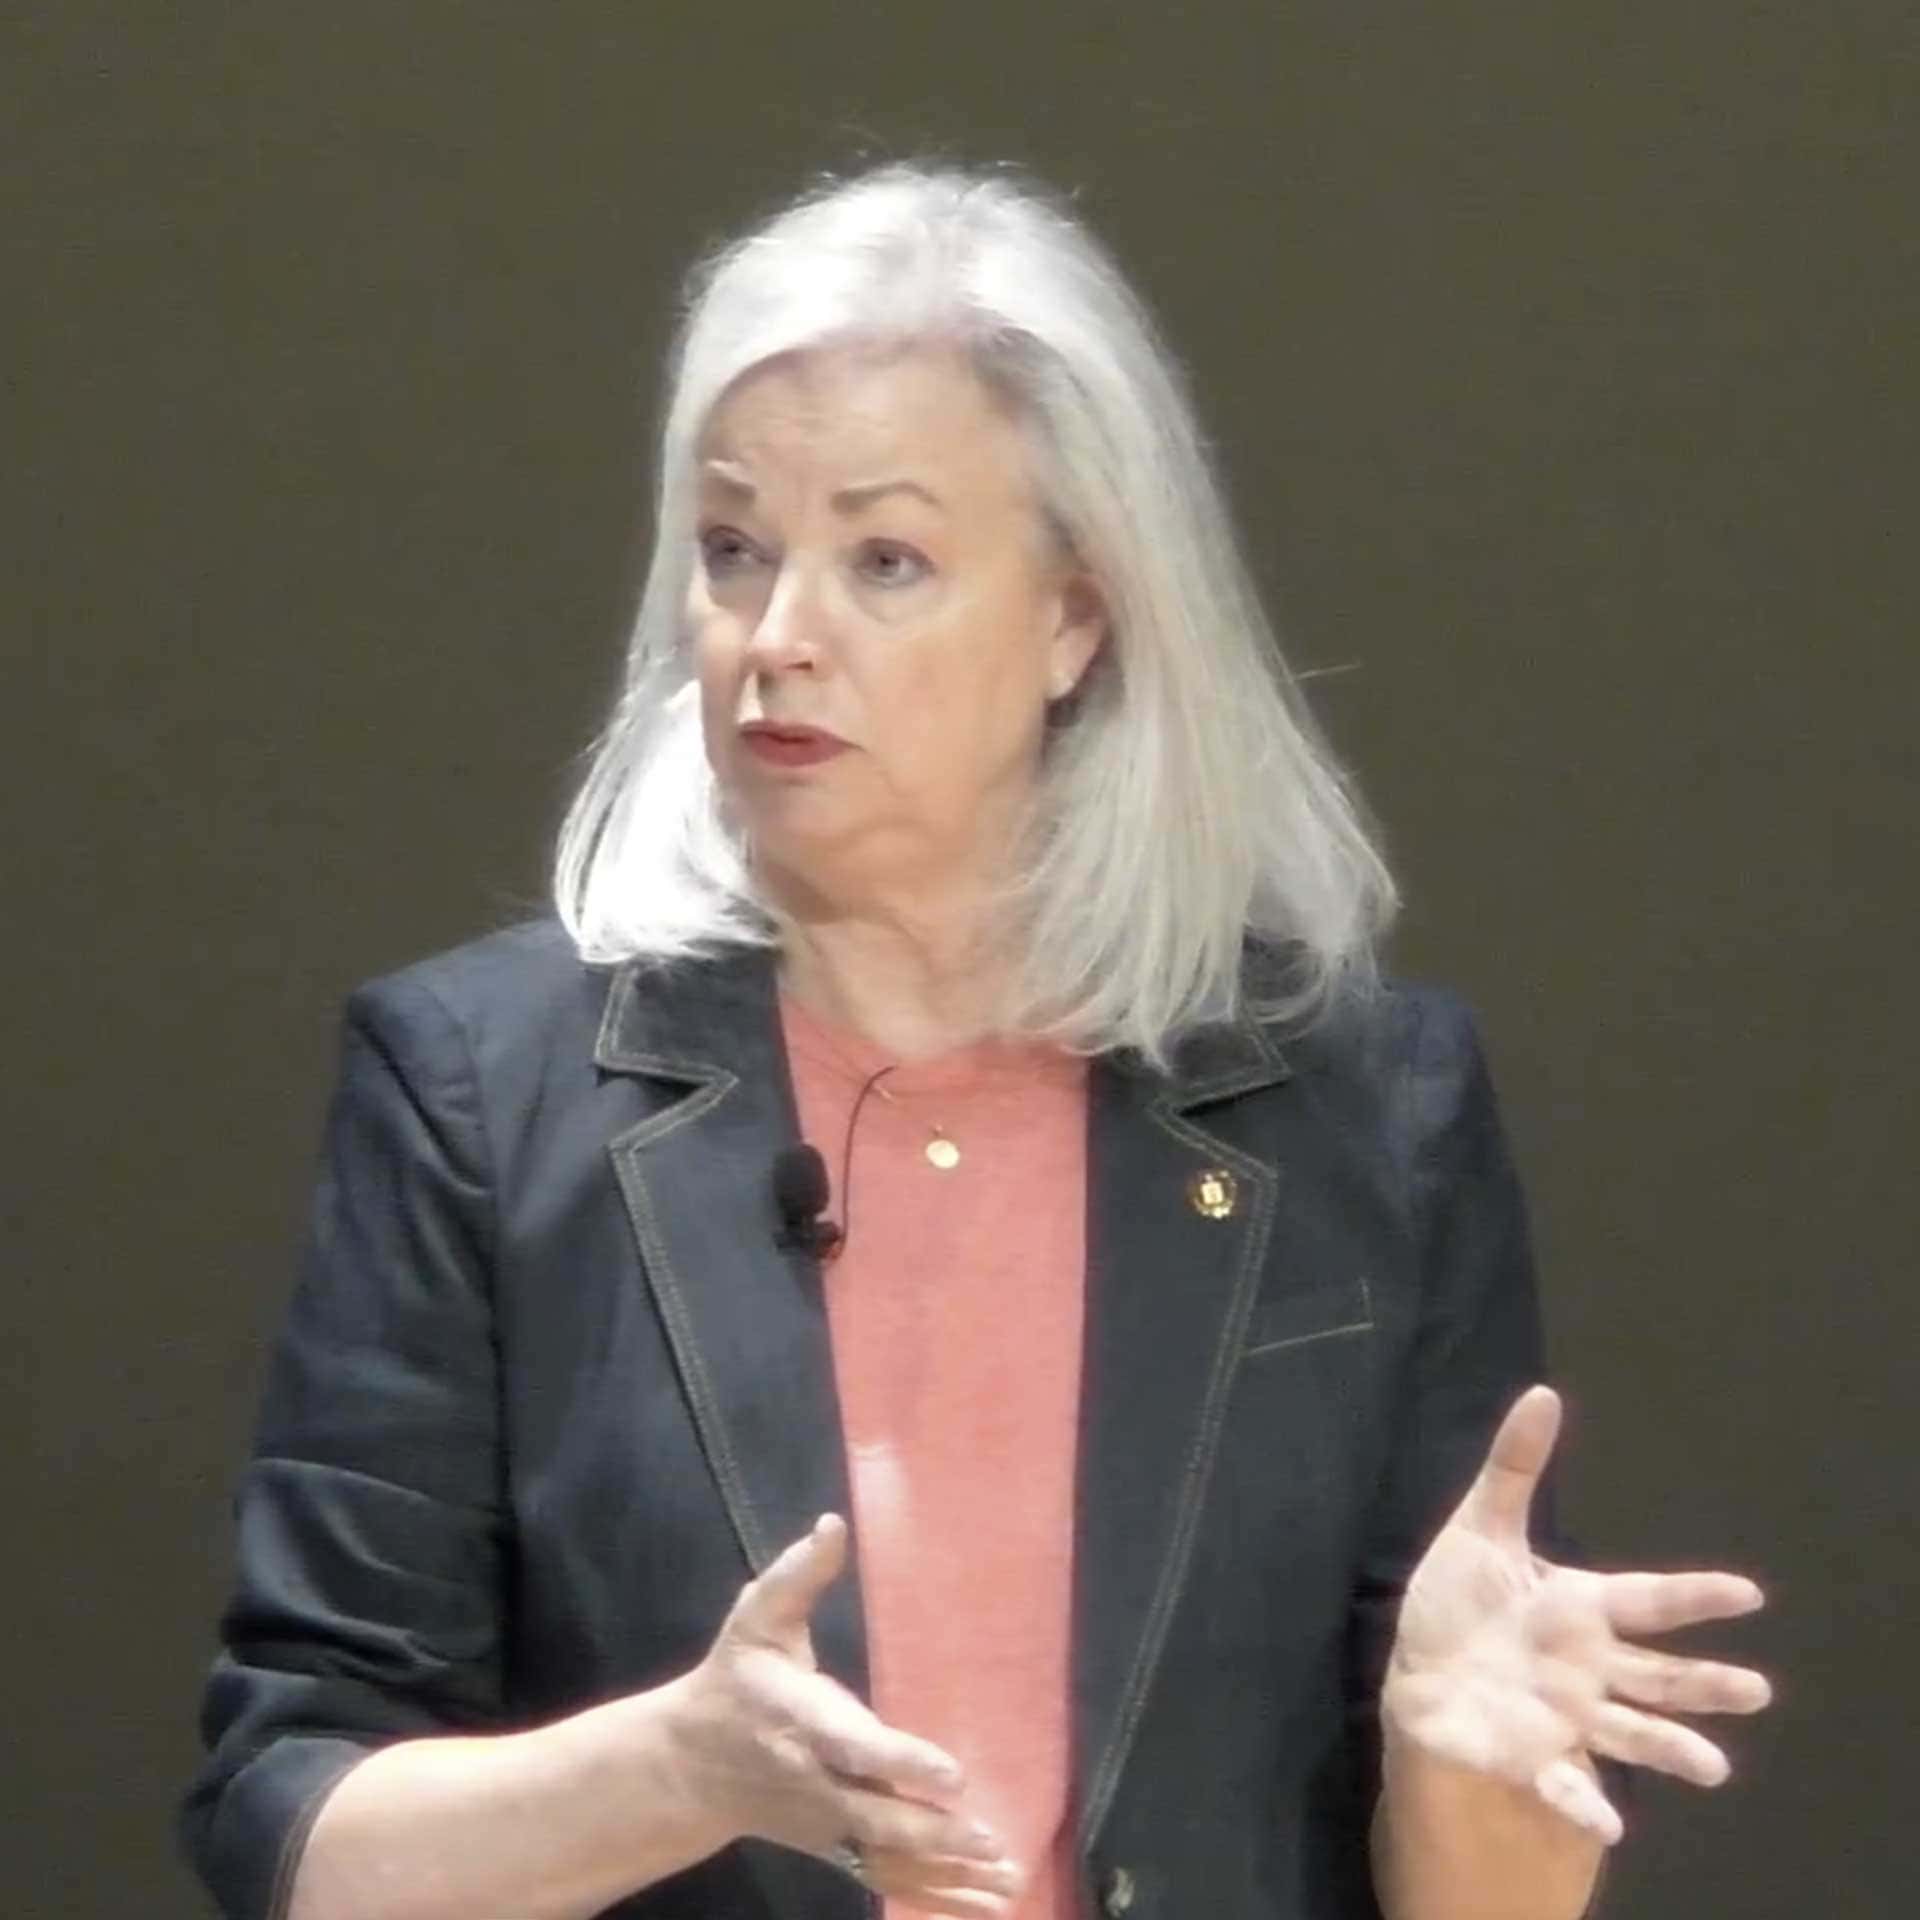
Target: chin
{"type": "Point", "coordinates": [790, 823]}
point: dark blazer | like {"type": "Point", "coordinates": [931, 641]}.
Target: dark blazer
{"type": "Point", "coordinates": [547, 1392]}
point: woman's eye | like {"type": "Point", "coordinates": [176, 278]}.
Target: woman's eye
{"type": "Point", "coordinates": [724, 550]}
{"type": "Point", "coordinates": [891, 564]}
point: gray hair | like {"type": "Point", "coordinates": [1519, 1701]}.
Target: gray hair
{"type": "Point", "coordinates": [1186, 802]}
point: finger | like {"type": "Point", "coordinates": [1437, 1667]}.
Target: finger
{"type": "Point", "coordinates": [1645, 1740]}
{"type": "Point", "coordinates": [1501, 1497]}
{"type": "Point", "coordinates": [855, 1745]}
{"type": "Point", "coordinates": [781, 1600]}
{"type": "Point", "coordinates": [1659, 1602]}
{"type": "Point", "coordinates": [885, 1760]}
{"type": "Point", "coordinates": [914, 1878]}
{"type": "Point", "coordinates": [968, 1889]}
{"type": "Point", "coordinates": [903, 1830]}
{"type": "Point", "coordinates": [1571, 1791]}
{"type": "Point", "coordinates": [1674, 1685]}
{"type": "Point", "coordinates": [963, 1903]}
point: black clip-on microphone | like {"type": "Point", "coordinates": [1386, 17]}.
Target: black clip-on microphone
{"type": "Point", "coordinates": [800, 1193]}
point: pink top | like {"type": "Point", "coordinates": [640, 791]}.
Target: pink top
{"type": "Point", "coordinates": [955, 1316]}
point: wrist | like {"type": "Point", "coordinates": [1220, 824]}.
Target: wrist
{"type": "Point", "coordinates": [1453, 1842]}
{"type": "Point", "coordinates": [636, 1756]}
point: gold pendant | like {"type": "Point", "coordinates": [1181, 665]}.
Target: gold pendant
{"type": "Point", "coordinates": [942, 1153]}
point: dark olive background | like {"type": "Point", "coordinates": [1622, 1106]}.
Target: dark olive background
{"type": "Point", "coordinates": [1562, 362]}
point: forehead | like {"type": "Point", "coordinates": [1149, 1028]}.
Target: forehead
{"type": "Point", "coordinates": [846, 415]}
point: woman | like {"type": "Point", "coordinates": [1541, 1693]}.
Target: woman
{"type": "Point", "coordinates": [1176, 1366]}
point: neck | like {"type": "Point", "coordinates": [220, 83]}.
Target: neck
{"type": "Point", "coordinates": [910, 975]}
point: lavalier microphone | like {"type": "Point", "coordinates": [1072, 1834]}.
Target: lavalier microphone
{"type": "Point", "coordinates": [800, 1194]}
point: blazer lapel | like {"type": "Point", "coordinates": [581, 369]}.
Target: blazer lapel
{"type": "Point", "coordinates": [1172, 1275]}
{"type": "Point", "coordinates": [746, 1320]}
{"type": "Point", "coordinates": [1175, 1253]}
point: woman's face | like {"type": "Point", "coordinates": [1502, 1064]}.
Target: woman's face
{"type": "Point", "coordinates": [879, 618]}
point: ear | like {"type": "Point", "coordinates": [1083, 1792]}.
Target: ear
{"type": "Point", "coordinates": [1079, 634]}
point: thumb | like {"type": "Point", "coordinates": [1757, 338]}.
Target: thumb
{"type": "Point", "coordinates": [1501, 1497]}
{"type": "Point", "coordinates": [779, 1603]}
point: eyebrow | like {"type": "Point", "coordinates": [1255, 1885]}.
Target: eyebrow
{"type": "Point", "coordinates": [845, 500]}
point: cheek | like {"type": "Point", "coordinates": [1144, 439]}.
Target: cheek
{"type": "Point", "coordinates": [999, 676]}
{"type": "Point", "coordinates": [716, 672]}
{"type": "Point", "coordinates": [711, 716]}
{"type": "Point", "coordinates": [976, 713]}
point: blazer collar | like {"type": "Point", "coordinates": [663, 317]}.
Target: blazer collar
{"type": "Point", "coordinates": [697, 1021]}
{"type": "Point", "coordinates": [691, 1020]}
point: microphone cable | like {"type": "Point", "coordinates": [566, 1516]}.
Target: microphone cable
{"type": "Point", "coordinates": [846, 1158]}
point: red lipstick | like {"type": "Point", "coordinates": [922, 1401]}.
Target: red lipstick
{"type": "Point", "coordinates": [790, 746]}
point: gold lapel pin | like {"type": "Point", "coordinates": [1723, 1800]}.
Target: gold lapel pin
{"type": "Point", "coordinates": [1214, 1193]}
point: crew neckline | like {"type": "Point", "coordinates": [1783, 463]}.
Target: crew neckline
{"type": "Point", "coordinates": [987, 1064]}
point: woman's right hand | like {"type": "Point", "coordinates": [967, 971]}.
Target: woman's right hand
{"type": "Point", "coordinates": [773, 1748]}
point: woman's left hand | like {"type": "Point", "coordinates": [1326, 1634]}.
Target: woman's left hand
{"type": "Point", "coordinates": [1509, 1665]}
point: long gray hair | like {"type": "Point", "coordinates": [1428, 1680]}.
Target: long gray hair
{"type": "Point", "coordinates": [1186, 803]}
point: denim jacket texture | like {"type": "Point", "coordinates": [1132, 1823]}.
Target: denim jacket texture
{"type": "Point", "coordinates": [547, 1392]}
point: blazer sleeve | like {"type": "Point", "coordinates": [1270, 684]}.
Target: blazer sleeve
{"type": "Point", "coordinates": [367, 1606]}
{"type": "Point", "coordinates": [1478, 1343]}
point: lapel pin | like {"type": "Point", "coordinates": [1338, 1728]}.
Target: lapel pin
{"type": "Point", "coordinates": [1214, 1193]}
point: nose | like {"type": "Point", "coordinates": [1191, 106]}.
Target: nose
{"type": "Point", "coordinates": [786, 637]}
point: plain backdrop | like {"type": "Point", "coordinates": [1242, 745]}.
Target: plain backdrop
{"type": "Point", "coordinates": [1561, 360]}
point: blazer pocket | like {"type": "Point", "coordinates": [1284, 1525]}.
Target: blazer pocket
{"type": "Point", "coordinates": [1296, 1315]}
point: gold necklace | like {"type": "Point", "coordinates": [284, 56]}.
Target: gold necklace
{"type": "Point", "coordinates": [941, 1150]}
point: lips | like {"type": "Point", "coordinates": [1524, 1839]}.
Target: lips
{"type": "Point", "coordinates": [786, 746]}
